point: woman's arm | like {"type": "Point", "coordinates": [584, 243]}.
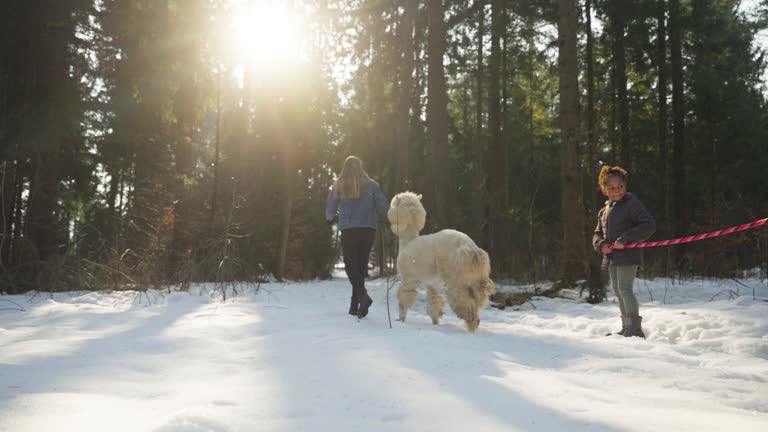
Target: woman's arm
{"type": "Point", "coordinates": [331, 207]}
{"type": "Point", "coordinates": [380, 201]}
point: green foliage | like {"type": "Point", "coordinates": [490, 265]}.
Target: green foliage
{"type": "Point", "coordinates": [148, 152]}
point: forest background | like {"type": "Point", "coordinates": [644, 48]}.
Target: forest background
{"type": "Point", "coordinates": [164, 142]}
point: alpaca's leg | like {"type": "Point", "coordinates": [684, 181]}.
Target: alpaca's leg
{"type": "Point", "coordinates": [473, 323]}
{"type": "Point", "coordinates": [406, 296]}
{"type": "Point", "coordinates": [435, 303]}
{"type": "Point", "coordinates": [483, 290]}
{"type": "Point", "coordinates": [462, 300]}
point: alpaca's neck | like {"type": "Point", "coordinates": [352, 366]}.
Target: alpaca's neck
{"type": "Point", "coordinates": [406, 238]}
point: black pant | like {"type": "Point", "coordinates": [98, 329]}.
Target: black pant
{"type": "Point", "coordinates": [356, 244]}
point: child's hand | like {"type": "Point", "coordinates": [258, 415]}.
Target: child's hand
{"type": "Point", "coordinates": [618, 245]}
{"type": "Point", "coordinates": [606, 248]}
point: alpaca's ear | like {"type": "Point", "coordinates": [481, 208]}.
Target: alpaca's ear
{"type": "Point", "coordinates": [397, 199]}
{"type": "Point", "coordinates": [419, 197]}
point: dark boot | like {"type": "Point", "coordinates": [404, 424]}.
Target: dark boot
{"type": "Point", "coordinates": [635, 327]}
{"type": "Point", "coordinates": [365, 303]}
{"type": "Point", "coordinates": [353, 305]}
{"type": "Point", "coordinates": [625, 323]}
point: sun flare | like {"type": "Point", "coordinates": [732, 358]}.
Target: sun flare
{"type": "Point", "coordinates": [267, 34]}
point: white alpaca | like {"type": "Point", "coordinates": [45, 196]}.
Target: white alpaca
{"type": "Point", "coordinates": [447, 258]}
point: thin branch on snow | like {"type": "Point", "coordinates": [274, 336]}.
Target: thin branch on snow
{"type": "Point", "coordinates": [731, 294]}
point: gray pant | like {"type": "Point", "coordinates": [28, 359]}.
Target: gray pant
{"type": "Point", "coordinates": [622, 281]}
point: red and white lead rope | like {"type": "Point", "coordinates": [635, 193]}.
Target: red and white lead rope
{"type": "Point", "coordinates": [688, 239]}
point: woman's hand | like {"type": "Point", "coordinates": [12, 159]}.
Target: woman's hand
{"type": "Point", "coordinates": [618, 245]}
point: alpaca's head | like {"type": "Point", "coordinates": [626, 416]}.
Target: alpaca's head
{"type": "Point", "coordinates": [406, 214]}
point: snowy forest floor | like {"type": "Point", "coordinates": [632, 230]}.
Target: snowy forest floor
{"type": "Point", "coordinates": [289, 358]}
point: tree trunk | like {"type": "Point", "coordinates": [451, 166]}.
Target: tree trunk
{"type": "Point", "coordinates": [495, 184]}
{"type": "Point", "coordinates": [15, 77]}
{"type": "Point", "coordinates": [706, 64]}
{"type": "Point", "coordinates": [51, 85]}
{"type": "Point", "coordinates": [403, 172]}
{"type": "Point", "coordinates": [679, 177]}
{"type": "Point", "coordinates": [437, 116]}
{"type": "Point", "coordinates": [18, 226]}
{"type": "Point", "coordinates": [661, 52]}
{"type": "Point", "coordinates": [504, 135]}
{"type": "Point", "coordinates": [574, 245]}
{"type": "Point", "coordinates": [661, 45]}
{"type": "Point", "coordinates": [420, 165]}
{"type": "Point", "coordinates": [613, 137]}
{"type": "Point", "coordinates": [216, 156]}
{"type": "Point", "coordinates": [7, 208]}
{"type": "Point", "coordinates": [532, 182]}
{"type": "Point", "coordinates": [531, 177]}
{"type": "Point", "coordinates": [591, 135]}
{"type": "Point", "coordinates": [286, 208]}
{"type": "Point", "coordinates": [478, 179]}
{"type": "Point", "coordinates": [617, 26]}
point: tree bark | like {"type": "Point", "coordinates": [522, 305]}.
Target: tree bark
{"type": "Point", "coordinates": [7, 209]}
{"type": "Point", "coordinates": [497, 239]}
{"type": "Point", "coordinates": [437, 115]}
{"type": "Point", "coordinates": [287, 193]}
{"type": "Point", "coordinates": [51, 69]}
{"type": "Point", "coordinates": [406, 91]}
{"type": "Point", "coordinates": [591, 134]}
{"type": "Point", "coordinates": [216, 156]}
{"type": "Point", "coordinates": [574, 245]}
{"type": "Point", "coordinates": [679, 177]}
{"type": "Point", "coordinates": [421, 162]}
{"type": "Point", "coordinates": [478, 156]}
{"type": "Point", "coordinates": [612, 120]}
{"type": "Point", "coordinates": [619, 59]}
{"type": "Point", "coordinates": [661, 53]}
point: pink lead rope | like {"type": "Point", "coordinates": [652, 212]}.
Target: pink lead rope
{"type": "Point", "coordinates": [688, 239]}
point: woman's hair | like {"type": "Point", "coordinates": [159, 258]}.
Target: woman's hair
{"type": "Point", "coordinates": [608, 171]}
{"type": "Point", "coordinates": [351, 179]}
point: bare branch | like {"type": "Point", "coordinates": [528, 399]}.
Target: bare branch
{"type": "Point", "coordinates": [731, 294]}
{"type": "Point", "coordinates": [18, 306]}
{"type": "Point", "coordinates": [105, 267]}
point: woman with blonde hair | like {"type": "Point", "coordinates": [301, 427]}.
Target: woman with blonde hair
{"type": "Point", "coordinates": [359, 201]}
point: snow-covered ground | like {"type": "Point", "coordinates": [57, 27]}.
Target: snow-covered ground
{"type": "Point", "coordinates": [289, 358]}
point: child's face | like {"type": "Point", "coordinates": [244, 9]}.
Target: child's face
{"type": "Point", "coordinates": [614, 188]}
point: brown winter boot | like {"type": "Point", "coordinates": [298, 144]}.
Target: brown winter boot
{"type": "Point", "coordinates": [625, 323]}
{"type": "Point", "coordinates": [635, 327]}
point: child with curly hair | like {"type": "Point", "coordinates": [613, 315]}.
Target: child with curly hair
{"type": "Point", "coordinates": [623, 220]}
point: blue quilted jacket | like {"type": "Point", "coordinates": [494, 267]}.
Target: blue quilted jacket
{"type": "Point", "coordinates": [360, 212]}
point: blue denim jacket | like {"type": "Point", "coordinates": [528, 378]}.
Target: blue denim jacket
{"type": "Point", "coordinates": [359, 212]}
